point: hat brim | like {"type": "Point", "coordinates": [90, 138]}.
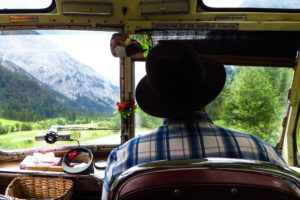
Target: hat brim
{"type": "Point", "coordinates": [152, 103]}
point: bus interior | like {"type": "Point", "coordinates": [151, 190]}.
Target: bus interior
{"type": "Point", "coordinates": [62, 83]}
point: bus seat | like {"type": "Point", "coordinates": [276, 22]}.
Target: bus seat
{"type": "Point", "coordinates": [213, 179]}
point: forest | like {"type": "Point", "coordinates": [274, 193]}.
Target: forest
{"type": "Point", "coordinates": [254, 100]}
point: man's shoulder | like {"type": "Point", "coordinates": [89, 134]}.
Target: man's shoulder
{"type": "Point", "coordinates": [240, 134]}
{"type": "Point", "coordinates": [147, 133]}
{"type": "Point", "coordinates": [234, 132]}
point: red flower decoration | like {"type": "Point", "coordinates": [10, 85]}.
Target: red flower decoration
{"type": "Point", "coordinates": [125, 108]}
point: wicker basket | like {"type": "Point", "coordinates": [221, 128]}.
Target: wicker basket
{"type": "Point", "coordinates": [22, 188]}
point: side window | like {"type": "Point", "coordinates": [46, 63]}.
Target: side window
{"type": "Point", "coordinates": [25, 4]}
{"type": "Point", "coordinates": [254, 100]}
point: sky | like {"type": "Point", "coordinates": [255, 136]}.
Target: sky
{"type": "Point", "coordinates": [90, 48]}
{"type": "Point", "coordinates": [222, 3]}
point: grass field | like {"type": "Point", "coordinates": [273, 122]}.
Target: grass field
{"type": "Point", "coordinates": [8, 122]}
{"type": "Point", "coordinates": [26, 139]}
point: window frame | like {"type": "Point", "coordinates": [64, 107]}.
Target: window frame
{"type": "Point", "coordinates": [202, 5]}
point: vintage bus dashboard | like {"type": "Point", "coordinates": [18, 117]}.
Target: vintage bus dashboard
{"type": "Point", "coordinates": [247, 36]}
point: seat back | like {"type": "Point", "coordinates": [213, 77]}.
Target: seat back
{"type": "Point", "coordinates": [207, 180]}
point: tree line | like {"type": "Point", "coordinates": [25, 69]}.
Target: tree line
{"type": "Point", "coordinates": [101, 120]}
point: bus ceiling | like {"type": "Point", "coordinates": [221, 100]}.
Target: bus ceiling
{"type": "Point", "coordinates": [132, 15]}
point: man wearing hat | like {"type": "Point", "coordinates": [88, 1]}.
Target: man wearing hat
{"type": "Point", "coordinates": [177, 86]}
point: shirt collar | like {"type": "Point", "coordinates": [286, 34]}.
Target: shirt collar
{"type": "Point", "coordinates": [195, 116]}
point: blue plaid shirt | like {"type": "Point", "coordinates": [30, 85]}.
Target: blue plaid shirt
{"type": "Point", "coordinates": [196, 137]}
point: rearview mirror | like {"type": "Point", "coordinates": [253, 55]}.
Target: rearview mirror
{"type": "Point", "coordinates": [130, 45]}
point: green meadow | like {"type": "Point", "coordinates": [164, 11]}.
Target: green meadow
{"type": "Point", "coordinates": [25, 139]}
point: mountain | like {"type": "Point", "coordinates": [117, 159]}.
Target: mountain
{"type": "Point", "coordinates": [64, 77]}
{"type": "Point", "coordinates": [25, 99]}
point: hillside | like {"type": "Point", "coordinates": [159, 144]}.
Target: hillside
{"type": "Point", "coordinates": [25, 99]}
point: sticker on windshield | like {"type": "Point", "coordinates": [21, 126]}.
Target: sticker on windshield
{"type": "Point", "coordinates": [231, 18]}
{"type": "Point", "coordinates": [23, 18]}
{"type": "Point", "coordinates": [198, 26]}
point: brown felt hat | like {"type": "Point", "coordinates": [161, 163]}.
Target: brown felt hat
{"type": "Point", "coordinates": [178, 81]}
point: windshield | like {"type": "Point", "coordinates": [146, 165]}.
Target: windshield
{"type": "Point", "coordinates": [25, 4]}
{"type": "Point", "coordinates": [284, 4]}
{"type": "Point", "coordinates": [254, 100]}
{"type": "Point", "coordinates": [65, 78]}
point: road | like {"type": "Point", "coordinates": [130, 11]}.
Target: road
{"type": "Point", "coordinates": [113, 139]}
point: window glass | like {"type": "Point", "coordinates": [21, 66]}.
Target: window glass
{"type": "Point", "coordinates": [254, 100]}
{"type": "Point", "coordinates": [144, 122]}
{"type": "Point", "coordinates": [25, 4]}
{"type": "Point", "coordinates": [285, 4]}
{"type": "Point", "coordinates": [62, 78]}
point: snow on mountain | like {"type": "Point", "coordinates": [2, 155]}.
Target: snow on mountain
{"type": "Point", "coordinates": [47, 63]}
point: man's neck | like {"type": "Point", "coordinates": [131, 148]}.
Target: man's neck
{"type": "Point", "coordinates": [193, 116]}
